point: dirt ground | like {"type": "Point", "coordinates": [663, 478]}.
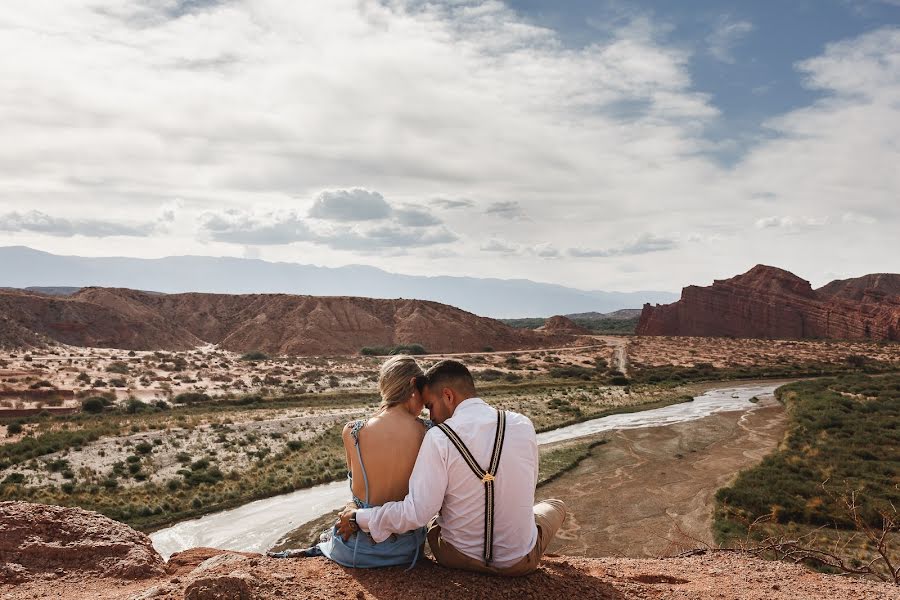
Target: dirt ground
{"type": "Point", "coordinates": [649, 492]}
{"type": "Point", "coordinates": [224, 576]}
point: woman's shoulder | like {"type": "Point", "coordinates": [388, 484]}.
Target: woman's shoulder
{"type": "Point", "coordinates": [352, 428]}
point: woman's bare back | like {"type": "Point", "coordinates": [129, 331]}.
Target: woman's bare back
{"type": "Point", "coordinates": [389, 443]}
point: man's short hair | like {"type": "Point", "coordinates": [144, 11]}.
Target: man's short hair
{"type": "Point", "coordinates": [452, 374]}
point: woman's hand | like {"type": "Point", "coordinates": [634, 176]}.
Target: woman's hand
{"type": "Point", "coordinates": [346, 524]}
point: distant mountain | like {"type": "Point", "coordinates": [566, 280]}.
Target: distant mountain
{"type": "Point", "coordinates": [272, 323]}
{"type": "Point", "coordinates": [22, 267]}
{"type": "Point", "coordinates": [768, 302]}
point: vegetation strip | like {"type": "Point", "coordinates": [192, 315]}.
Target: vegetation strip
{"type": "Point", "coordinates": [842, 445]}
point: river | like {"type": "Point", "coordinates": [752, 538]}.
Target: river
{"type": "Point", "coordinates": [257, 525]}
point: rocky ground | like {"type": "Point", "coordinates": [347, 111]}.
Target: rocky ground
{"type": "Point", "coordinates": [53, 552]}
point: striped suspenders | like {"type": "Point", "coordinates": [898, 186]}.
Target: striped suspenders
{"type": "Point", "coordinates": [486, 477]}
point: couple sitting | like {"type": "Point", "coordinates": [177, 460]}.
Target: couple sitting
{"type": "Point", "coordinates": [465, 482]}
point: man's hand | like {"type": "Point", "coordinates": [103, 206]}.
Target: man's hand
{"type": "Point", "coordinates": [347, 524]}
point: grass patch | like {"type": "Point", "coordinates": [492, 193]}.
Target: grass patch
{"type": "Point", "coordinates": [843, 434]}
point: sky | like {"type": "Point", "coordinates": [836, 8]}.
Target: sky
{"type": "Point", "coordinates": [596, 144]}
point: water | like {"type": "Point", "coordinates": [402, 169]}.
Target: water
{"type": "Point", "coordinates": [258, 525]}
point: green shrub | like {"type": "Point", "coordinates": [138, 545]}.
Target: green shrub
{"type": "Point", "coordinates": [14, 478]}
{"type": "Point", "coordinates": [191, 398]}
{"type": "Point", "coordinates": [144, 448]}
{"type": "Point", "coordinates": [255, 356]}
{"type": "Point", "coordinates": [489, 375]}
{"type": "Point", "coordinates": [411, 349]}
{"type": "Point", "coordinates": [14, 428]}
{"type": "Point", "coordinates": [93, 405]}
{"type": "Point", "coordinates": [118, 367]}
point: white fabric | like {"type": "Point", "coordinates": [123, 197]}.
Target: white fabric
{"type": "Point", "coordinates": [442, 481]}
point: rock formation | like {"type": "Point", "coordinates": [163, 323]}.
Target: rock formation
{"type": "Point", "coordinates": [54, 552]}
{"type": "Point", "coordinates": [38, 539]}
{"type": "Point", "coordinates": [563, 325]}
{"type": "Point", "coordinates": [767, 302]}
{"type": "Point", "coordinates": [271, 323]}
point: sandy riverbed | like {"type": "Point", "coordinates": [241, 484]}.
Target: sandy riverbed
{"type": "Point", "coordinates": [650, 492]}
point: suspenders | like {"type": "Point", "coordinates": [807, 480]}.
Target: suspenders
{"type": "Point", "coordinates": [486, 477]}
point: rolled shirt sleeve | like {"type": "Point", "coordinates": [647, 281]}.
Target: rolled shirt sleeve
{"type": "Point", "coordinates": [427, 486]}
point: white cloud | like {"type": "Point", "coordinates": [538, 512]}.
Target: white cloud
{"type": "Point", "coordinates": [35, 221]}
{"type": "Point", "coordinates": [509, 209]}
{"type": "Point", "coordinates": [245, 110]}
{"type": "Point", "coordinates": [643, 244]}
{"type": "Point", "coordinates": [726, 34]}
{"type": "Point", "coordinates": [241, 227]}
{"type": "Point", "coordinates": [350, 205]}
{"type": "Point", "coordinates": [791, 223]}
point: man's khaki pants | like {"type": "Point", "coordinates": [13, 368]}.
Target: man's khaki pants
{"type": "Point", "coordinates": [548, 516]}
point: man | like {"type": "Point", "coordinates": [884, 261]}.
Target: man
{"type": "Point", "coordinates": [479, 468]}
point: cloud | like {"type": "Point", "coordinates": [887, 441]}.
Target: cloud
{"type": "Point", "coordinates": [448, 204]}
{"type": "Point", "coordinates": [411, 216]}
{"type": "Point", "coordinates": [409, 226]}
{"type": "Point", "coordinates": [241, 227]}
{"type": "Point", "coordinates": [791, 223]}
{"type": "Point", "coordinates": [355, 204]}
{"type": "Point", "coordinates": [500, 246]}
{"type": "Point", "coordinates": [35, 221]}
{"type": "Point", "coordinates": [386, 237]}
{"type": "Point", "coordinates": [643, 244]}
{"type": "Point", "coordinates": [483, 104]}
{"type": "Point", "coordinates": [169, 210]}
{"type": "Point", "coordinates": [725, 36]}
{"type": "Point", "coordinates": [852, 217]}
{"type": "Point", "coordinates": [506, 210]}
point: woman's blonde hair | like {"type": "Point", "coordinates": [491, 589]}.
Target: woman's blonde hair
{"type": "Point", "coordinates": [395, 379]}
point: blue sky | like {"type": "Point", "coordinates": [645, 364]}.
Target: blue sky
{"type": "Point", "coordinates": [743, 53]}
{"type": "Point", "coordinates": [602, 145]}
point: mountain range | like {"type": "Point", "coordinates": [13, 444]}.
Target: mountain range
{"type": "Point", "coordinates": [23, 267]}
{"type": "Point", "coordinates": [278, 324]}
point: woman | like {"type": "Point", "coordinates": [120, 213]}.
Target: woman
{"type": "Point", "coordinates": [381, 453]}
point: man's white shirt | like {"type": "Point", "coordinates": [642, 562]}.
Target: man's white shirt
{"type": "Point", "coordinates": [442, 481]}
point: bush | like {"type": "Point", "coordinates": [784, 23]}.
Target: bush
{"type": "Point", "coordinates": [144, 448]}
{"type": "Point", "coordinates": [255, 356]}
{"type": "Point", "coordinates": [412, 349]}
{"type": "Point", "coordinates": [133, 406]}
{"type": "Point", "coordinates": [118, 367]}
{"type": "Point", "coordinates": [489, 375]}
{"type": "Point", "coordinates": [14, 478]}
{"type": "Point", "coordinates": [571, 372]}
{"type": "Point", "coordinates": [14, 428]}
{"type": "Point", "coordinates": [93, 405]}
{"type": "Point", "coordinates": [191, 398]}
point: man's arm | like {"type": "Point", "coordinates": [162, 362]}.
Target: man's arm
{"type": "Point", "coordinates": [427, 486]}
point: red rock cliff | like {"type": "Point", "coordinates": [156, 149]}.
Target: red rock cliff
{"type": "Point", "coordinates": [767, 302]}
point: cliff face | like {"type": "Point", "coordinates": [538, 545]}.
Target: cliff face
{"type": "Point", "coordinates": [56, 552]}
{"type": "Point", "coordinates": [767, 302]}
{"type": "Point", "coordinates": [272, 323]}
